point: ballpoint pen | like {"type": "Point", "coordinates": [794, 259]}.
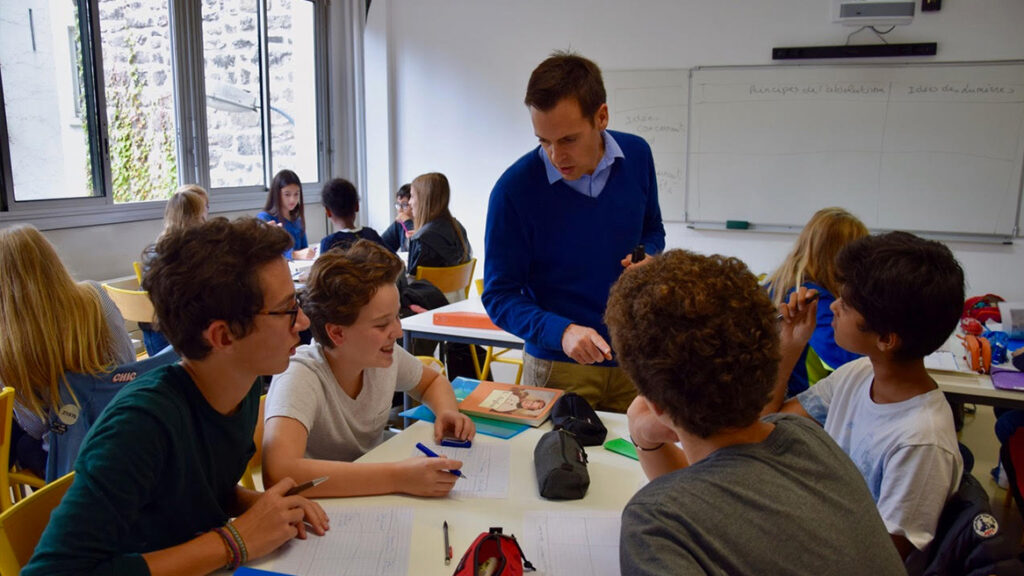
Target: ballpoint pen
{"type": "Point", "coordinates": [447, 546]}
{"type": "Point", "coordinates": [432, 454]}
{"type": "Point", "coordinates": [807, 301]}
{"type": "Point", "coordinates": [305, 486]}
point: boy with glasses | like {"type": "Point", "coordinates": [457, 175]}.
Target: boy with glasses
{"type": "Point", "coordinates": [396, 237]}
{"type": "Point", "coordinates": [156, 487]}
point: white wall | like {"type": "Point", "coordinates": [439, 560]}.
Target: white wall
{"type": "Point", "coordinates": [457, 72]}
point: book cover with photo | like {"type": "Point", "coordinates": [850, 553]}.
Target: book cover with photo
{"type": "Point", "coordinates": [511, 402]}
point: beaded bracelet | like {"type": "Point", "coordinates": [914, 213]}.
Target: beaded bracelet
{"type": "Point", "coordinates": [234, 554]}
{"type": "Point", "coordinates": [635, 445]}
{"type": "Point", "coordinates": [239, 541]}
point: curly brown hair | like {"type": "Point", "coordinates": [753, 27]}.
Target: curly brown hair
{"type": "Point", "coordinates": [698, 337]}
{"type": "Point", "coordinates": [342, 282]}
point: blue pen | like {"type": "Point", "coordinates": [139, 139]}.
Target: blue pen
{"type": "Point", "coordinates": [432, 454]}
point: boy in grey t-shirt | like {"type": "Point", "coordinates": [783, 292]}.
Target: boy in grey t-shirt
{"type": "Point", "coordinates": [736, 495]}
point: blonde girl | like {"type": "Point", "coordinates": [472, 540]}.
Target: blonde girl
{"type": "Point", "coordinates": [439, 239]}
{"type": "Point", "coordinates": [812, 263]}
{"type": "Point", "coordinates": [50, 325]}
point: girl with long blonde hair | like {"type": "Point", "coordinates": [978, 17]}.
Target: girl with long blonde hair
{"type": "Point", "coordinates": [812, 263]}
{"type": "Point", "coordinates": [439, 239]}
{"type": "Point", "coordinates": [50, 325]}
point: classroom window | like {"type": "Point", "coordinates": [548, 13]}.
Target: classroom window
{"type": "Point", "coordinates": [50, 143]}
{"type": "Point", "coordinates": [108, 103]}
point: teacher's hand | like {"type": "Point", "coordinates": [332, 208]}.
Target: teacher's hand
{"type": "Point", "coordinates": [585, 345]}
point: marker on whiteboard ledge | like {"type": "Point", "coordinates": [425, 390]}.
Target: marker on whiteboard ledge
{"type": "Point", "coordinates": [737, 225]}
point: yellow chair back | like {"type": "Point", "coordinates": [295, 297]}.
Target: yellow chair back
{"type": "Point", "coordinates": [23, 525]}
{"type": "Point", "coordinates": [134, 305]}
{"type": "Point", "coordinates": [9, 477]}
{"type": "Point", "coordinates": [450, 278]}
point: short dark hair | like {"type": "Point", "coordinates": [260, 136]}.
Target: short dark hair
{"type": "Point", "coordinates": [566, 75]}
{"type": "Point", "coordinates": [405, 191]}
{"type": "Point", "coordinates": [211, 272]}
{"type": "Point", "coordinates": [698, 337]}
{"type": "Point", "coordinates": [906, 285]}
{"type": "Point", "coordinates": [341, 198]}
{"type": "Point", "coordinates": [342, 282]}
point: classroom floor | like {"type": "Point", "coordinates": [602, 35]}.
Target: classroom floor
{"type": "Point", "coordinates": [978, 434]}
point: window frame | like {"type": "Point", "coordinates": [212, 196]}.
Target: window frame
{"type": "Point", "coordinates": [185, 22]}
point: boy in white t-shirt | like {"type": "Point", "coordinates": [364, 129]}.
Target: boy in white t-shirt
{"type": "Point", "coordinates": [331, 405]}
{"type": "Point", "coordinates": [901, 297]}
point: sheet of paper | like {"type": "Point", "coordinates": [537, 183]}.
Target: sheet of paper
{"type": "Point", "coordinates": [360, 541]}
{"type": "Point", "coordinates": [486, 468]}
{"type": "Point", "coordinates": [941, 360]}
{"type": "Point", "coordinates": [570, 543]}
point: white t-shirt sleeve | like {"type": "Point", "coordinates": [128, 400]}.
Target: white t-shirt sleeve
{"type": "Point", "coordinates": [295, 393]}
{"type": "Point", "coordinates": [913, 495]}
{"type": "Point", "coordinates": [817, 399]}
{"type": "Point", "coordinates": [409, 370]}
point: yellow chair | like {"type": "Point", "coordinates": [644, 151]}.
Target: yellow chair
{"type": "Point", "coordinates": [23, 525]}
{"type": "Point", "coordinates": [134, 305]}
{"type": "Point", "coordinates": [11, 478]}
{"type": "Point", "coordinates": [137, 266]}
{"type": "Point", "coordinates": [498, 355]}
{"type": "Point", "coordinates": [431, 362]}
{"type": "Point", "coordinates": [256, 462]}
{"type": "Point", "coordinates": [450, 278]}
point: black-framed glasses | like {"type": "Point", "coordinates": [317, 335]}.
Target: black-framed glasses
{"type": "Point", "coordinates": [401, 205]}
{"type": "Point", "coordinates": [293, 312]}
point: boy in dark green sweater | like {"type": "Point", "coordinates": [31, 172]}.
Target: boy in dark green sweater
{"type": "Point", "coordinates": [156, 482]}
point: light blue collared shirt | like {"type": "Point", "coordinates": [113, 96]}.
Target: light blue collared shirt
{"type": "Point", "coordinates": [589, 185]}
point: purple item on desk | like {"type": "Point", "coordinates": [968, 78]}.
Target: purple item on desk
{"type": "Point", "coordinates": [1004, 379]}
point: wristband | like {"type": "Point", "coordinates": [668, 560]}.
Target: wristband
{"type": "Point", "coordinates": [234, 554]}
{"type": "Point", "coordinates": [635, 445]}
{"type": "Point", "coordinates": [239, 541]}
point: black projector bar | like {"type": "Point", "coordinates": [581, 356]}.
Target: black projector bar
{"type": "Point", "coordinates": [857, 51]}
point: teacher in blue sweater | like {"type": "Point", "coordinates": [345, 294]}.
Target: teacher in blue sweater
{"type": "Point", "coordinates": [561, 226]}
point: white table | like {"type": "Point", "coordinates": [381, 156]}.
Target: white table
{"type": "Point", "coordinates": [613, 481]}
{"type": "Point", "coordinates": [422, 326]}
{"type": "Point", "coordinates": [969, 387]}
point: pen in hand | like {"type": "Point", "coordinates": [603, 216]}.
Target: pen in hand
{"type": "Point", "coordinates": [305, 486]}
{"type": "Point", "coordinates": [432, 454]}
{"type": "Point", "coordinates": [807, 301]}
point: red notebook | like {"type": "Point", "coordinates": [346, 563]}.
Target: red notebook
{"type": "Point", "coordinates": [465, 320]}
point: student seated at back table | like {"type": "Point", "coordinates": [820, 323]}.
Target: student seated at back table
{"type": "Point", "coordinates": [286, 208]}
{"type": "Point", "coordinates": [812, 264]}
{"type": "Point", "coordinates": [187, 207]}
{"type": "Point", "coordinates": [331, 406]}
{"type": "Point", "coordinates": [156, 481]}
{"type": "Point", "coordinates": [699, 339]}
{"type": "Point", "coordinates": [396, 237]}
{"type": "Point", "coordinates": [341, 201]}
{"type": "Point", "coordinates": [901, 298]}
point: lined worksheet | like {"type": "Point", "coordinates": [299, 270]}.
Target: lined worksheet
{"type": "Point", "coordinates": [570, 543]}
{"type": "Point", "coordinates": [486, 469]}
{"type": "Point", "coordinates": [361, 541]}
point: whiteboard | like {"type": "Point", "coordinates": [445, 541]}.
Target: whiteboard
{"type": "Point", "coordinates": [930, 148]}
{"type": "Point", "coordinates": [653, 104]}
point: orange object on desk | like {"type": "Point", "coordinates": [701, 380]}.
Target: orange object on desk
{"type": "Point", "coordinates": [464, 320]}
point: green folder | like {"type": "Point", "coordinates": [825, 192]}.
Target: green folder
{"type": "Point", "coordinates": [622, 446]}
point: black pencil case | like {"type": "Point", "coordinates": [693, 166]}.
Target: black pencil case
{"type": "Point", "coordinates": [561, 465]}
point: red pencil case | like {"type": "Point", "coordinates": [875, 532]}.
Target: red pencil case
{"type": "Point", "coordinates": [493, 554]}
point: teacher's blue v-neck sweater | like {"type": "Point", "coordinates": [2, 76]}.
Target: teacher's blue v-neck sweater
{"type": "Point", "coordinates": [553, 253]}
